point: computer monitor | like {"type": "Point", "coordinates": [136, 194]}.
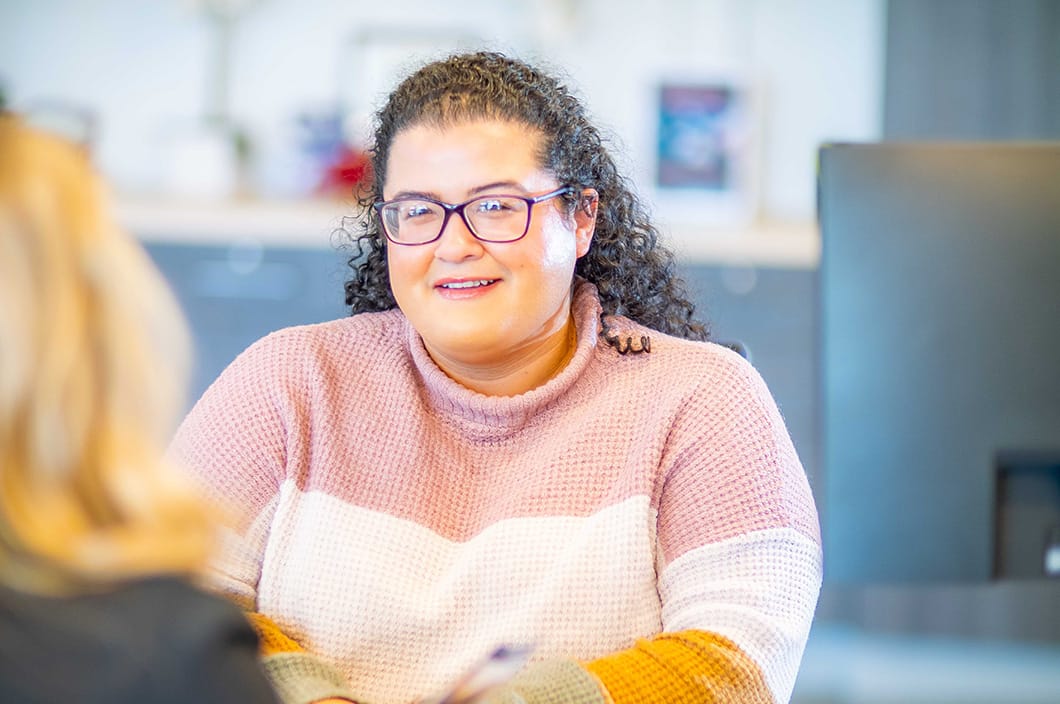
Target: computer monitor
{"type": "Point", "coordinates": [940, 360]}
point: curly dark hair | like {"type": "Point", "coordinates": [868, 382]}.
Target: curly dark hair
{"type": "Point", "coordinates": [636, 277]}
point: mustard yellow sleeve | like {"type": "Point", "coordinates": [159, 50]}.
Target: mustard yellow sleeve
{"type": "Point", "coordinates": [272, 640]}
{"type": "Point", "coordinates": [298, 676]}
{"type": "Point", "coordinates": [693, 667]}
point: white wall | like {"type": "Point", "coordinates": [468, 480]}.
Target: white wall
{"type": "Point", "coordinates": [143, 68]}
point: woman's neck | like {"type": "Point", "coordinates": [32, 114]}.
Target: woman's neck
{"type": "Point", "coordinates": [517, 373]}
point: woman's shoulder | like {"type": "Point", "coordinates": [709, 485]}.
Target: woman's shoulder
{"type": "Point", "coordinates": [363, 329]}
{"type": "Point", "coordinates": [360, 336]}
{"type": "Point", "coordinates": [710, 357]}
{"type": "Point", "coordinates": [713, 373]}
{"type": "Point", "coordinates": [668, 352]}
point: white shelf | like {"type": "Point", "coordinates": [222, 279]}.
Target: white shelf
{"type": "Point", "coordinates": [784, 245]}
{"type": "Point", "coordinates": [311, 223]}
{"type": "Point", "coordinates": [292, 223]}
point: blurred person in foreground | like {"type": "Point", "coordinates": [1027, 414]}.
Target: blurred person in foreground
{"type": "Point", "coordinates": [521, 436]}
{"type": "Point", "coordinates": [99, 541]}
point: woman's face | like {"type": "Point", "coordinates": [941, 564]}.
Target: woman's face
{"type": "Point", "coordinates": [524, 301]}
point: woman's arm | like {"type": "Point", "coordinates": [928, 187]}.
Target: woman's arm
{"type": "Point", "coordinates": [739, 557]}
{"type": "Point", "coordinates": [234, 442]}
{"type": "Point", "coordinates": [738, 561]}
{"type": "Point", "coordinates": [299, 677]}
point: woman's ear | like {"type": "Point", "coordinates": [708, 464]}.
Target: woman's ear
{"type": "Point", "coordinates": [585, 219]}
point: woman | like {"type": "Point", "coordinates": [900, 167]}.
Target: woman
{"type": "Point", "coordinates": [97, 538]}
{"type": "Point", "coordinates": [519, 437]}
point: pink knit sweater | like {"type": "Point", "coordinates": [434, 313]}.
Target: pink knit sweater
{"type": "Point", "coordinates": [399, 526]}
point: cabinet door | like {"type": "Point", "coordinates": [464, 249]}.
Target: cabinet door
{"type": "Point", "coordinates": [233, 294]}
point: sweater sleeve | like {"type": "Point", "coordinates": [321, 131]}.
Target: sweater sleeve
{"type": "Point", "coordinates": [235, 442]}
{"type": "Point", "coordinates": [297, 676]}
{"type": "Point", "coordinates": [739, 557]}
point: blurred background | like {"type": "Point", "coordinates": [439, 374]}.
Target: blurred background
{"type": "Point", "coordinates": [233, 133]}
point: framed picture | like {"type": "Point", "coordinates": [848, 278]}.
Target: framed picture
{"type": "Point", "coordinates": [706, 146]}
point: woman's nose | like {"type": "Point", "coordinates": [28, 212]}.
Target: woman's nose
{"type": "Point", "coordinates": [456, 242]}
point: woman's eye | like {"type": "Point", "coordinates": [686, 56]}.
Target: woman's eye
{"type": "Point", "coordinates": [416, 210]}
{"type": "Point", "coordinates": [492, 205]}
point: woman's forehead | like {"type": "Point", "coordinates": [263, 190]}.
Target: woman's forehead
{"type": "Point", "coordinates": [516, 138]}
{"type": "Point", "coordinates": [427, 157]}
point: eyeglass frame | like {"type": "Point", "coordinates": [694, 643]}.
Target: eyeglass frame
{"type": "Point", "coordinates": [451, 208]}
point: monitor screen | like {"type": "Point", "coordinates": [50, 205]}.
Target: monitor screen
{"type": "Point", "coordinates": [940, 360]}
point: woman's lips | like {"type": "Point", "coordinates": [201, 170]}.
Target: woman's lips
{"type": "Point", "coordinates": [465, 287]}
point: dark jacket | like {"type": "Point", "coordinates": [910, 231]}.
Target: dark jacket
{"type": "Point", "coordinates": [156, 641]}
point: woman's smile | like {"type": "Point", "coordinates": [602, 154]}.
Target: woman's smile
{"type": "Point", "coordinates": [456, 289]}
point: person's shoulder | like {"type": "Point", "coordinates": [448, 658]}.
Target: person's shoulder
{"type": "Point", "coordinates": [181, 618]}
{"type": "Point", "coordinates": [353, 329]}
{"type": "Point", "coordinates": [718, 367]}
{"type": "Point", "coordinates": [171, 605]}
{"type": "Point", "coordinates": [711, 354]}
{"type": "Point", "coordinates": [696, 351]}
{"type": "Point", "coordinates": [175, 591]}
{"type": "Point", "coordinates": [182, 629]}
{"type": "Point", "coordinates": [709, 370]}
{"type": "Point", "coordinates": [155, 629]}
{"type": "Point", "coordinates": [358, 334]}
{"type": "Point", "coordinates": [675, 353]}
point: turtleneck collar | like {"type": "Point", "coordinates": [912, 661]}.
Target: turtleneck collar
{"type": "Point", "coordinates": [502, 413]}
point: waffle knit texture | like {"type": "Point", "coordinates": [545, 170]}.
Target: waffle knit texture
{"type": "Point", "coordinates": [641, 520]}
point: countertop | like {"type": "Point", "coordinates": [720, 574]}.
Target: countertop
{"type": "Point", "coordinates": [311, 223]}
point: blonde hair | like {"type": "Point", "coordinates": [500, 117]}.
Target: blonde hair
{"type": "Point", "coordinates": [93, 354]}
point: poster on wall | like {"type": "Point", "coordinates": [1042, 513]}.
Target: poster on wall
{"type": "Point", "coordinates": [705, 151]}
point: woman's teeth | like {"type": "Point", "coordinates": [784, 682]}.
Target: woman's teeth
{"type": "Point", "coordinates": [468, 284]}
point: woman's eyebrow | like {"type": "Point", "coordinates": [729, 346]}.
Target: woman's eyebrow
{"type": "Point", "coordinates": [431, 195]}
{"type": "Point", "coordinates": [497, 184]}
{"type": "Point", "coordinates": [415, 194]}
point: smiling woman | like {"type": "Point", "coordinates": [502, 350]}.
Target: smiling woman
{"type": "Point", "coordinates": [495, 316]}
{"type": "Point", "coordinates": [520, 437]}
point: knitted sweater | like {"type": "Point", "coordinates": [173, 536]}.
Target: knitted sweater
{"type": "Point", "coordinates": [641, 520]}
